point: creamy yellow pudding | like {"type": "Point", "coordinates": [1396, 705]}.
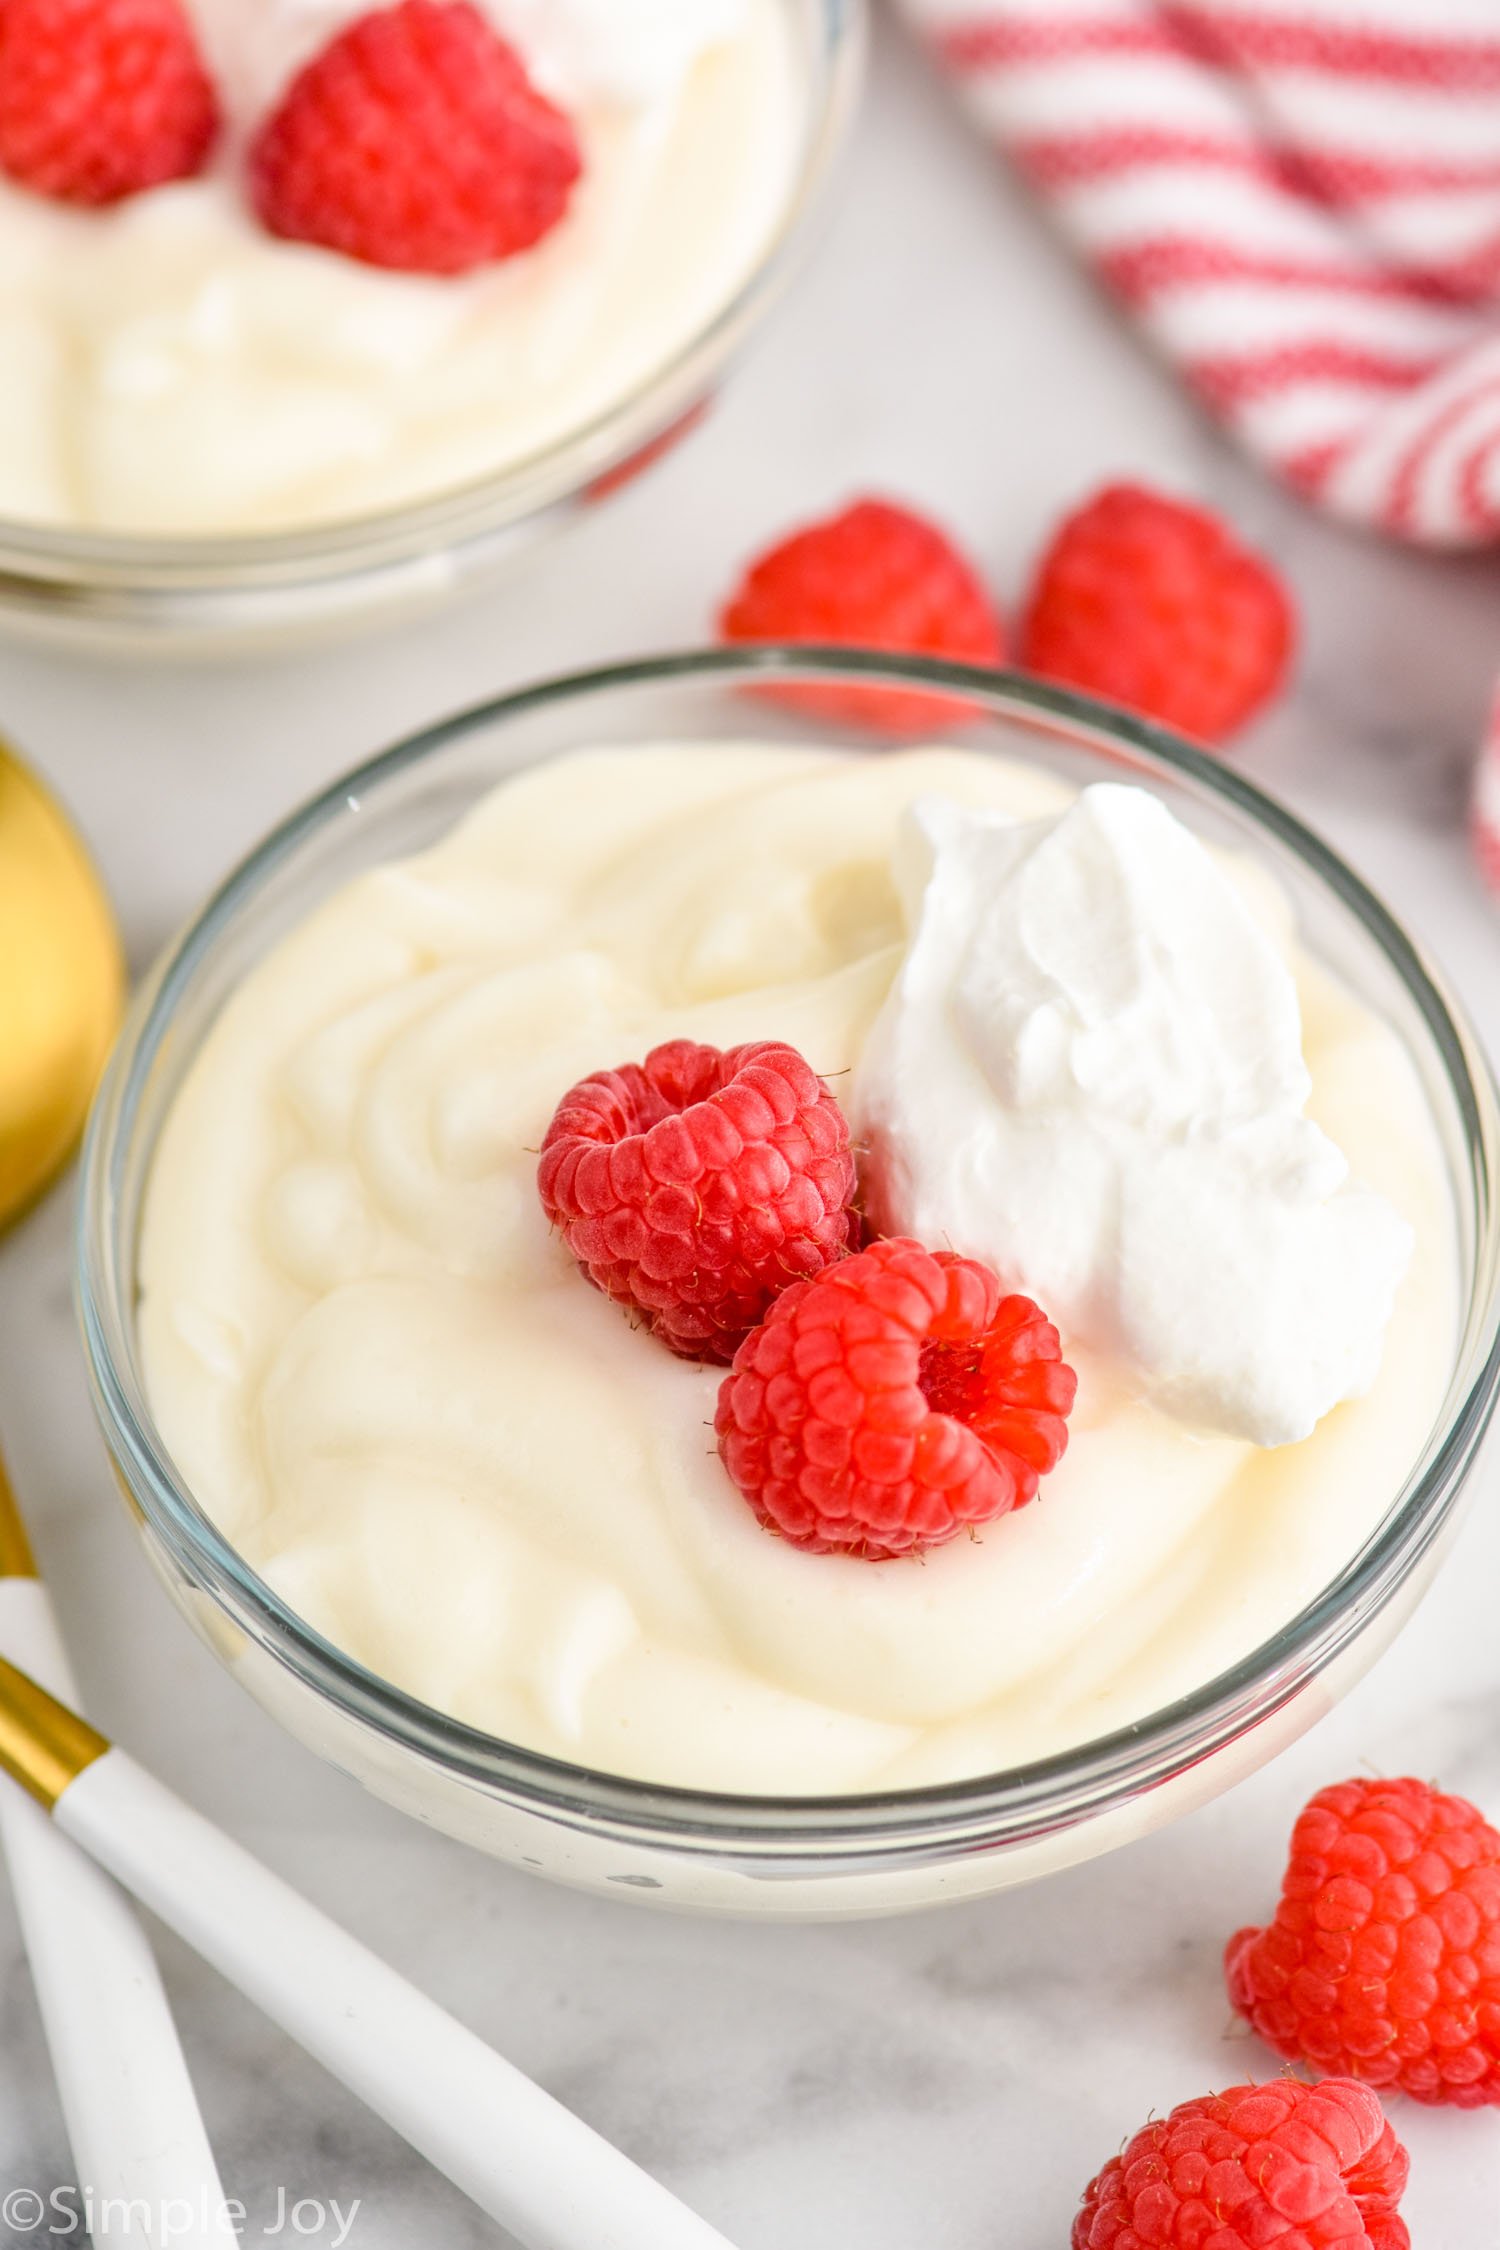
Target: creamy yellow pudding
{"type": "Point", "coordinates": [172, 369]}
{"type": "Point", "coordinates": [390, 1386]}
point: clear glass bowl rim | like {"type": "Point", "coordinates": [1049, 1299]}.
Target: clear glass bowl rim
{"type": "Point", "coordinates": [1050, 1793]}
{"type": "Point", "coordinates": [58, 557]}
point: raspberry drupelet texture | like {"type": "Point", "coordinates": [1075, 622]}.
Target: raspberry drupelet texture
{"type": "Point", "coordinates": [892, 1402]}
{"type": "Point", "coordinates": [696, 1185]}
{"type": "Point", "coordinates": [100, 99]}
{"type": "Point", "coordinates": [876, 576]}
{"type": "Point", "coordinates": [1284, 2166]}
{"type": "Point", "coordinates": [1383, 1960]}
{"type": "Point", "coordinates": [1155, 605]}
{"type": "Point", "coordinates": [415, 140]}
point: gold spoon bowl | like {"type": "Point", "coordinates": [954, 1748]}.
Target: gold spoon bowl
{"type": "Point", "coordinates": [62, 984]}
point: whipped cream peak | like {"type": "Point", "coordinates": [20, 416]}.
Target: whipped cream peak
{"type": "Point", "coordinates": [1090, 1074]}
{"type": "Point", "coordinates": [1150, 992]}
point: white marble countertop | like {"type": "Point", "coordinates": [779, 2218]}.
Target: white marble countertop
{"type": "Point", "coordinates": [947, 2080]}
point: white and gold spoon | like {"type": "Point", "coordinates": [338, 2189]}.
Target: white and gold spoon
{"type": "Point", "coordinates": [133, 2122]}
{"type": "Point", "coordinates": [137, 2136]}
{"type": "Point", "coordinates": [513, 2149]}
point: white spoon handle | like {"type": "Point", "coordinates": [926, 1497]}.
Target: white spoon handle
{"type": "Point", "coordinates": [132, 2118]}
{"type": "Point", "coordinates": [515, 2151]}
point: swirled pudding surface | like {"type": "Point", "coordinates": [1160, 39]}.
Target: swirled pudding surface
{"type": "Point", "coordinates": [389, 1385]}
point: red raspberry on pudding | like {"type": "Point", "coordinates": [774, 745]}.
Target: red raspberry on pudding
{"type": "Point", "coordinates": [892, 1402]}
{"type": "Point", "coordinates": [100, 99]}
{"type": "Point", "coordinates": [415, 140]}
{"type": "Point", "coordinates": [1289, 2166]}
{"type": "Point", "coordinates": [1154, 604]}
{"type": "Point", "coordinates": [877, 577]}
{"type": "Point", "coordinates": [1383, 1959]}
{"type": "Point", "coordinates": [694, 1186]}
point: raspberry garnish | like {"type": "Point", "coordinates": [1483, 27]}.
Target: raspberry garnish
{"type": "Point", "coordinates": [875, 577]}
{"type": "Point", "coordinates": [415, 139]}
{"type": "Point", "coordinates": [101, 98]}
{"type": "Point", "coordinates": [1289, 2166]}
{"type": "Point", "coordinates": [1154, 605]}
{"type": "Point", "coordinates": [890, 1402]}
{"type": "Point", "coordinates": [696, 1185]}
{"type": "Point", "coordinates": [1383, 1960]}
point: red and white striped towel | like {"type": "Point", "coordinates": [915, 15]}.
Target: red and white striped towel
{"type": "Point", "coordinates": [1299, 201]}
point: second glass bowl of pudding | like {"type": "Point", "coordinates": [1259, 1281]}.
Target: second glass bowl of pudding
{"type": "Point", "coordinates": [258, 438]}
{"type": "Point", "coordinates": [1104, 1731]}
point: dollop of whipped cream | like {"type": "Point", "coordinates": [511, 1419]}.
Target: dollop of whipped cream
{"type": "Point", "coordinates": [580, 52]}
{"type": "Point", "coordinates": [1089, 1073]}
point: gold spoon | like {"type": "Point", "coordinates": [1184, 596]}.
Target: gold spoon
{"type": "Point", "coordinates": [62, 983]}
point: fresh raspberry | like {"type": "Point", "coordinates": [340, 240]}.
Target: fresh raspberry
{"type": "Point", "coordinates": [881, 1407]}
{"type": "Point", "coordinates": [875, 577]}
{"type": "Point", "coordinates": [415, 139]}
{"type": "Point", "coordinates": [1153, 604]}
{"type": "Point", "coordinates": [101, 98]}
{"type": "Point", "coordinates": [1286, 2166]}
{"type": "Point", "coordinates": [1384, 1957]}
{"type": "Point", "coordinates": [695, 1185]}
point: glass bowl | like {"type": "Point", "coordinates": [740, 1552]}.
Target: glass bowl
{"type": "Point", "coordinates": [757, 1855]}
{"type": "Point", "coordinates": [204, 593]}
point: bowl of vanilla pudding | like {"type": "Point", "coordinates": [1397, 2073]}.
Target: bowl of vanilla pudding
{"type": "Point", "coordinates": [1098, 1015]}
{"type": "Point", "coordinates": [213, 429]}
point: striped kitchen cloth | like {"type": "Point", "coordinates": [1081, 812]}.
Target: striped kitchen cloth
{"type": "Point", "coordinates": [1299, 202]}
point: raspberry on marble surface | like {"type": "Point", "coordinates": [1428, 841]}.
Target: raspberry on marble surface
{"type": "Point", "coordinates": [1383, 1957]}
{"type": "Point", "coordinates": [1286, 2166]}
{"type": "Point", "coordinates": [876, 576]}
{"type": "Point", "coordinates": [1154, 604]}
